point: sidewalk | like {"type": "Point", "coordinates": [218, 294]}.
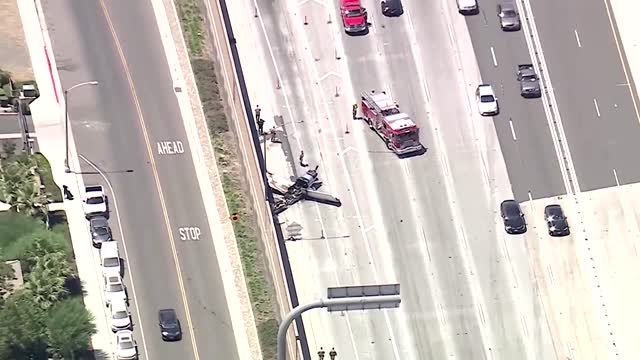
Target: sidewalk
{"type": "Point", "coordinates": [48, 119]}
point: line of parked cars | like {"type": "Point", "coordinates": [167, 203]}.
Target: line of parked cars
{"type": "Point", "coordinates": [95, 206]}
{"type": "Point", "coordinates": [515, 223]}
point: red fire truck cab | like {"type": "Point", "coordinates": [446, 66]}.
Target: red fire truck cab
{"type": "Point", "coordinates": [396, 128]}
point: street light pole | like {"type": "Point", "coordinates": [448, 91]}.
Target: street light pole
{"type": "Point", "coordinates": [347, 298]}
{"type": "Point", "coordinates": [66, 121]}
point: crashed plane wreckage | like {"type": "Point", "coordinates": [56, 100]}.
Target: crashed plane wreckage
{"type": "Point", "coordinates": [304, 188]}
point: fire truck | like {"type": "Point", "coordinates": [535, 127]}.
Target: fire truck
{"type": "Point", "coordinates": [396, 128]}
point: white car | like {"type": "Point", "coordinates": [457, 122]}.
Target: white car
{"type": "Point", "coordinates": [120, 317]}
{"type": "Point", "coordinates": [110, 259]}
{"type": "Point", "coordinates": [114, 289]}
{"type": "Point", "coordinates": [487, 100]}
{"type": "Point", "coordinates": [95, 201]}
{"type": "Point", "coordinates": [467, 7]}
{"type": "Point", "coordinates": [126, 348]}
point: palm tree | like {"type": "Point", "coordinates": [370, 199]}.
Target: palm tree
{"type": "Point", "coordinates": [19, 187]}
{"type": "Point", "coordinates": [46, 282]}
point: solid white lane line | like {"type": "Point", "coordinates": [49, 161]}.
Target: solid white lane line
{"type": "Point", "coordinates": [615, 175]}
{"type": "Point", "coordinates": [595, 103]}
{"type": "Point", "coordinates": [493, 56]}
{"type": "Point", "coordinates": [513, 131]}
{"type": "Point", "coordinates": [577, 38]}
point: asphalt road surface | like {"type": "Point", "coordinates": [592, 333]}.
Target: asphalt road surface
{"type": "Point", "coordinates": [528, 150]}
{"type": "Point", "coordinates": [592, 91]}
{"type": "Point", "coordinates": [109, 132]}
{"type": "Point", "coordinates": [427, 222]}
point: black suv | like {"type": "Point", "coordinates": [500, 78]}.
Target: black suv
{"type": "Point", "coordinates": [556, 221]}
{"type": "Point", "coordinates": [391, 7]}
{"type": "Point", "coordinates": [512, 217]}
{"type": "Point", "coordinates": [169, 325]}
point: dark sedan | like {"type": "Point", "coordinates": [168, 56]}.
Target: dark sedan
{"type": "Point", "coordinates": [391, 7]}
{"type": "Point", "coordinates": [556, 221]}
{"type": "Point", "coordinates": [170, 328]}
{"type": "Point", "coordinates": [512, 217]}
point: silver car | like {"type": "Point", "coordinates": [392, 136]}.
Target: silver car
{"type": "Point", "coordinates": [509, 18]}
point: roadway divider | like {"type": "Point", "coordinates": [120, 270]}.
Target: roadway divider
{"type": "Point", "coordinates": [239, 109]}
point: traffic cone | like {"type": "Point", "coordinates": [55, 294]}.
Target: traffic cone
{"type": "Point", "coordinates": [336, 53]}
{"type": "Point", "coordinates": [329, 21]}
{"type": "Point", "coordinates": [337, 94]}
{"type": "Point", "coordinates": [305, 20]}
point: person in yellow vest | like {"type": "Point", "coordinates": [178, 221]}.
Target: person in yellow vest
{"type": "Point", "coordinates": [355, 111]}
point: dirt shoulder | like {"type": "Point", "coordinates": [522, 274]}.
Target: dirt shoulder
{"type": "Point", "coordinates": [14, 55]}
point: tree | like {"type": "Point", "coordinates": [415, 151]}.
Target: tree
{"type": "Point", "coordinates": [26, 321]}
{"type": "Point", "coordinates": [46, 282]}
{"type": "Point", "coordinates": [28, 248]}
{"type": "Point", "coordinates": [69, 328]}
{"type": "Point", "coordinates": [19, 186]}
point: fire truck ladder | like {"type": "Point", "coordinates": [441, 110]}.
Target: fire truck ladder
{"type": "Point", "coordinates": [380, 102]}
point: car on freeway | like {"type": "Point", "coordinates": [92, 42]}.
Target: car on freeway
{"type": "Point", "coordinates": [170, 328]}
{"type": "Point", "coordinates": [487, 100]}
{"type": "Point", "coordinates": [114, 290]}
{"type": "Point", "coordinates": [468, 7]}
{"type": "Point", "coordinates": [509, 18]}
{"type": "Point", "coordinates": [100, 231]}
{"type": "Point", "coordinates": [391, 7]}
{"type": "Point", "coordinates": [354, 17]}
{"type": "Point", "coordinates": [512, 217]}
{"type": "Point", "coordinates": [110, 259]}
{"type": "Point", "coordinates": [529, 81]}
{"type": "Point", "coordinates": [556, 220]}
{"type": "Point", "coordinates": [126, 348]}
{"type": "Point", "coordinates": [120, 317]}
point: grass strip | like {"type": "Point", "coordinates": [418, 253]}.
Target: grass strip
{"type": "Point", "coordinates": [44, 170]}
{"type": "Point", "coordinates": [261, 292]}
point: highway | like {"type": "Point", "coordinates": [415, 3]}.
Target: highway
{"type": "Point", "coordinates": [122, 126]}
{"type": "Point", "coordinates": [591, 88]}
{"type": "Point", "coordinates": [430, 222]}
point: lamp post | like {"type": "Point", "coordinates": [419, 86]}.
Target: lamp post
{"type": "Point", "coordinates": [66, 121]}
{"type": "Point", "coordinates": [344, 298]}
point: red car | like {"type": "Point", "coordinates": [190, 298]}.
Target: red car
{"type": "Point", "coordinates": [354, 16]}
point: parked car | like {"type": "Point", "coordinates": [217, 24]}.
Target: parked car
{"type": "Point", "coordinates": [126, 348]}
{"type": "Point", "coordinates": [512, 217]}
{"type": "Point", "coordinates": [120, 317]}
{"type": "Point", "coordinates": [468, 7]}
{"type": "Point", "coordinates": [110, 259]}
{"type": "Point", "coordinates": [354, 17]}
{"type": "Point", "coordinates": [170, 328]}
{"type": "Point", "coordinates": [115, 291]}
{"type": "Point", "coordinates": [391, 7]}
{"type": "Point", "coordinates": [100, 231]}
{"type": "Point", "coordinates": [556, 220]}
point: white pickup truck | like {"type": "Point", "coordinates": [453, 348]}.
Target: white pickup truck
{"type": "Point", "coordinates": [95, 201]}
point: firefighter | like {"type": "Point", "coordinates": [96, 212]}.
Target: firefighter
{"type": "Point", "coordinates": [333, 353]}
{"type": "Point", "coordinates": [257, 111]}
{"type": "Point", "coordinates": [301, 158]}
{"type": "Point", "coordinates": [321, 354]}
{"type": "Point", "coordinates": [354, 111]}
{"type": "Point", "coordinates": [260, 126]}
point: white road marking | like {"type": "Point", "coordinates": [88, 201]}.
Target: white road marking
{"type": "Point", "coordinates": [513, 131]}
{"type": "Point", "coordinates": [625, 84]}
{"type": "Point", "coordinates": [595, 103]}
{"type": "Point", "coordinates": [615, 175]}
{"type": "Point", "coordinates": [550, 272]}
{"type": "Point", "coordinates": [577, 38]}
{"type": "Point", "coordinates": [493, 56]}
{"type": "Point", "coordinates": [330, 73]}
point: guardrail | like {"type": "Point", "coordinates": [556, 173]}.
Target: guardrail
{"type": "Point", "coordinates": [247, 127]}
